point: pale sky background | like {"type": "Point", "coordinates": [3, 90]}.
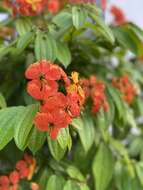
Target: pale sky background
{"type": "Point", "coordinates": [133, 10]}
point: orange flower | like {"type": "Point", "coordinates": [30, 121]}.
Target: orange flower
{"type": "Point", "coordinates": [53, 6]}
{"type": "Point", "coordinates": [127, 89]}
{"type": "Point", "coordinates": [119, 17]}
{"type": "Point", "coordinates": [34, 186]}
{"type": "Point", "coordinates": [58, 108]}
{"type": "Point", "coordinates": [95, 90]}
{"type": "Point", "coordinates": [14, 177]}
{"type": "Point", "coordinates": [27, 7]}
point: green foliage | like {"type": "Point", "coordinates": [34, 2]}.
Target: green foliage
{"type": "Point", "coordinates": [86, 131]}
{"type": "Point", "coordinates": [2, 101]}
{"type": "Point", "coordinates": [56, 150]}
{"type": "Point", "coordinates": [98, 151]}
{"type": "Point", "coordinates": [103, 167]}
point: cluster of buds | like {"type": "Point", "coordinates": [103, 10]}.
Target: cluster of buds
{"type": "Point", "coordinates": [126, 87]}
{"type": "Point", "coordinates": [61, 98]}
{"type": "Point", "coordinates": [119, 17]}
{"type": "Point", "coordinates": [95, 89]}
{"type": "Point", "coordinates": [24, 170]}
{"type": "Point", "coordinates": [32, 7]}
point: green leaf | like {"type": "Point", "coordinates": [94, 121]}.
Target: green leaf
{"type": "Point", "coordinates": [36, 140]}
{"type": "Point", "coordinates": [77, 123]}
{"type": "Point", "coordinates": [2, 101]}
{"type": "Point", "coordinates": [102, 124]}
{"type": "Point", "coordinates": [24, 41]}
{"type": "Point", "coordinates": [103, 28]}
{"type": "Point", "coordinates": [87, 133]}
{"type": "Point", "coordinates": [130, 118]}
{"type": "Point", "coordinates": [63, 19]}
{"type": "Point", "coordinates": [128, 39]}
{"type": "Point", "coordinates": [55, 182]}
{"type": "Point", "coordinates": [139, 170]}
{"type": "Point", "coordinates": [103, 166]}
{"type": "Point", "coordinates": [43, 176]}
{"type": "Point", "coordinates": [119, 104]}
{"type": "Point", "coordinates": [23, 125]}
{"type": "Point", "coordinates": [110, 114]}
{"type": "Point", "coordinates": [64, 138]}
{"type": "Point", "coordinates": [138, 103]}
{"type": "Point", "coordinates": [84, 187]}
{"type": "Point", "coordinates": [121, 150]}
{"type": "Point", "coordinates": [7, 124]}
{"type": "Point", "coordinates": [135, 147]}
{"type": "Point", "coordinates": [23, 25]}
{"type": "Point", "coordinates": [119, 147]}
{"type": "Point", "coordinates": [75, 173]}
{"type": "Point", "coordinates": [63, 54]}
{"type": "Point", "coordinates": [4, 51]}
{"type": "Point", "coordinates": [56, 151]}
{"type": "Point", "coordinates": [71, 185]}
{"type": "Point", "coordinates": [101, 120]}
{"type": "Point", "coordinates": [137, 30]}
{"type": "Point", "coordinates": [45, 46]}
{"type": "Point", "coordinates": [125, 181]}
{"type": "Point", "coordinates": [94, 8]}
{"type": "Point", "coordinates": [79, 16]}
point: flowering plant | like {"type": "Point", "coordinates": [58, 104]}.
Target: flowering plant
{"type": "Point", "coordinates": [70, 97]}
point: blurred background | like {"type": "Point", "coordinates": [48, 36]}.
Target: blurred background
{"type": "Point", "coordinates": [133, 10]}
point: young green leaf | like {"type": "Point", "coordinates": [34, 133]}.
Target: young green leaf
{"type": "Point", "coordinates": [139, 170]}
{"type": "Point", "coordinates": [43, 175]}
{"type": "Point", "coordinates": [24, 125]}
{"type": "Point", "coordinates": [127, 38]}
{"type": "Point", "coordinates": [23, 25]}
{"type": "Point", "coordinates": [24, 41]}
{"type": "Point", "coordinates": [119, 104]}
{"type": "Point", "coordinates": [56, 151]}
{"type": "Point", "coordinates": [7, 124]}
{"type": "Point", "coordinates": [103, 166]}
{"type": "Point", "coordinates": [63, 54]}
{"type": "Point", "coordinates": [63, 19]}
{"type": "Point", "coordinates": [64, 138]}
{"type": "Point", "coordinates": [55, 182]}
{"type": "Point", "coordinates": [75, 173]}
{"type": "Point", "coordinates": [104, 29]}
{"type": "Point", "coordinates": [84, 187]}
{"type": "Point", "coordinates": [79, 16]}
{"type": "Point", "coordinates": [45, 46]}
{"type": "Point", "coordinates": [36, 140]}
{"type": "Point", "coordinates": [87, 133]}
{"type": "Point", "coordinates": [71, 185]}
{"type": "Point", "coordinates": [85, 128]}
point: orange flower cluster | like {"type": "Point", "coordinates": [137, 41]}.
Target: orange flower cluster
{"type": "Point", "coordinates": [96, 90]}
{"type": "Point", "coordinates": [127, 89]}
{"type": "Point", "coordinates": [32, 7]}
{"type": "Point", "coordinates": [24, 170]}
{"type": "Point", "coordinates": [35, 7]}
{"type": "Point", "coordinates": [119, 17]}
{"type": "Point", "coordinates": [61, 98]}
